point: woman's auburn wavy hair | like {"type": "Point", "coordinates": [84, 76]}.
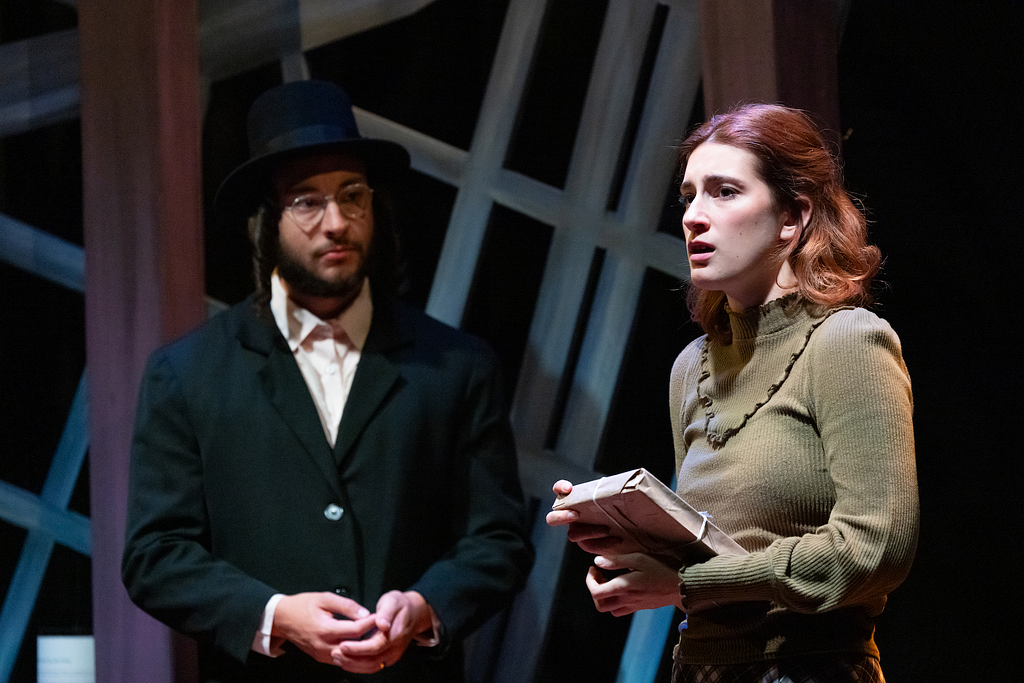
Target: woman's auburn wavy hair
{"type": "Point", "coordinates": [832, 260]}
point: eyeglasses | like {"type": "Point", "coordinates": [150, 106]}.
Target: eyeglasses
{"type": "Point", "coordinates": [307, 210]}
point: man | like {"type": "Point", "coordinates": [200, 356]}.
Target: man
{"type": "Point", "coordinates": [323, 480]}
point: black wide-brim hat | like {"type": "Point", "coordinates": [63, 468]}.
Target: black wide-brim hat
{"type": "Point", "coordinates": [299, 119]}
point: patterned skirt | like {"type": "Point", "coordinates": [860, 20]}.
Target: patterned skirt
{"type": "Point", "coordinates": [817, 669]}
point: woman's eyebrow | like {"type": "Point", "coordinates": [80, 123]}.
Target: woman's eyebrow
{"type": "Point", "coordinates": [719, 179]}
{"type": "Point", "coordinates": [713, 179]}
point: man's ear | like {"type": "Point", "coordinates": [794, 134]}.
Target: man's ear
{"type": "Point", "coordinates": [796, 219]}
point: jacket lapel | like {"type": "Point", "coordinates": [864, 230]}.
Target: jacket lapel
{"type": "Point", "coordinates": [377, 375]}
{"type": "Point", "coordinates": [286, 391]}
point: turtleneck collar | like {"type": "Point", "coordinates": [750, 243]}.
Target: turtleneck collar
{"type": "Point", "coordinates": [774, 316]}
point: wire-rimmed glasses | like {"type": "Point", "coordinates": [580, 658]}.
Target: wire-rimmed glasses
{"type": "Point", "coordinates": [308, 209]}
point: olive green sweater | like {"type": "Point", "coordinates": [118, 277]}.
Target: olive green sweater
{"type": "Point", "coordinates": [797, 438]}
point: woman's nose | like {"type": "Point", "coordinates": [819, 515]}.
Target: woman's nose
{"type": "Point", "coordinates": [694, 217]}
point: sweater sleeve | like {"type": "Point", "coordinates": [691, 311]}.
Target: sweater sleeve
{"type": "Point", "coordinates": [685, 370]}
{"type": "Point", "coordinates": [860, 400]}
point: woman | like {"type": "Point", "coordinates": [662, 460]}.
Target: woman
{"type": "Point", "coordinates": [791, 419]}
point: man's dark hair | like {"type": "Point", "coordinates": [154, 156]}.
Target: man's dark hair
{"type": "Point", "coordinates": [384, 266]}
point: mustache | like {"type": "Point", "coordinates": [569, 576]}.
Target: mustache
{"type": "Point", "coordinates": [335, 244]}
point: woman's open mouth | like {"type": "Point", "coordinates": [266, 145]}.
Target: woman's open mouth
{"type": "Point", "coordinates": [699, 251]}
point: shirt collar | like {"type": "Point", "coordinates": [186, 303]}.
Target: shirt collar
{"type": "Point", "coordinates": [296, 322]}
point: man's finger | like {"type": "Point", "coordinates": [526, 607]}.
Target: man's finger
{"type": "Point", "coordinates": [354, 629]}
{"type": "Point", "coordinates": [374, 646]}
{"type": "Point", "coordinates": [347, 608]}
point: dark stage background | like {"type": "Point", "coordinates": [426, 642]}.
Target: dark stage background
{"type": "Point", "coordinates": [931, 105]}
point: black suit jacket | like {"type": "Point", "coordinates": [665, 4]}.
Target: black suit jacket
{"type": "Point", "coordinates": [232, 485]}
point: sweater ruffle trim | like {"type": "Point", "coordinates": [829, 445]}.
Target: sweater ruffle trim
{"type": "Point", "coordinates": [773, 317]}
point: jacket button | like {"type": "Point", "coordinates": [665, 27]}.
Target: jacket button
{"type": "Point", "coordinates": [343, 592]}
{"type": "Point", "coordinates": [333, 512]}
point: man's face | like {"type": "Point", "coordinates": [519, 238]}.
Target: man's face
{"type": "Point", "coordinates": [329, 258]}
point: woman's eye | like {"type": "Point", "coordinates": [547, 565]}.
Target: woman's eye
{"type": "Point", "coordinates": [727, 192]}
{"type": "Point", "coordinates": [685, 200]}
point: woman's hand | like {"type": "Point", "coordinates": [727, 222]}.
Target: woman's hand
{"type": "Point", "coordinates": [646, 584]}
{"type": "Point", "coordinates": [562, 517]}
{"type": "Point", "coordinates": [593, 538]}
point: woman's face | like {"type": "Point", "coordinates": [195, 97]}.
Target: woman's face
{"type": "Point", "coordinates": [733, 230]}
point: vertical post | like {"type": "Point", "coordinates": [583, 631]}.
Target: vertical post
{"type": "Point", "coordinates": [779, 51]}
{"type": "Point", "coordinates": [144, 273]}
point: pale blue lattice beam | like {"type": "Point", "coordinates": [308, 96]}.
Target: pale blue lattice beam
{"type": "Point", "coordinates": [494, 128]}
{"type": "Point", "coordinates": [46, 516]}
{"type": "Point", "coordinates": [52, 258]}
{"type": "Point", "coordinates": [42, 254]}
{"type": "Point", "coordinates": [28, 511]}
{"type": "Point", "coordinates": [48, 521]}
{"type": "Point", "coordinates": [38, 82]}
{"type": "Point", "coordinates": [642, 654]}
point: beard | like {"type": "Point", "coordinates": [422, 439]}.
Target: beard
{"type": "Point", "coordinates": [309, 283]}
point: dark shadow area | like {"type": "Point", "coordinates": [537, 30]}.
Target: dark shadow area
{"type": "Point", "coordinates": [225, 145]}
{"type": "Point", "coordinates": [22, 19]}
{"type": "Point", "coordinates": [385, 69]}
{"type": "Point", "coordinates": [931, 113]}
{"type": "Point", "coordinates": [505, 287]}
{"type": "Point", "coordinates": [42, 356]}
{"type": "Point", "coordinates": [583, 644]}
{"type": "Point", "coordinates": [549, 113]}
{"type": "Point", "coordinates": [423, 206]}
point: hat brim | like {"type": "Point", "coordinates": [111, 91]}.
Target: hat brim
{"type": "Point", "coordinates": [244, 188]}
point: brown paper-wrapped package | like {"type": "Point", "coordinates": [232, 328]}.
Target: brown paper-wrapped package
{"type": "Point", "coordinates": [650, 518]}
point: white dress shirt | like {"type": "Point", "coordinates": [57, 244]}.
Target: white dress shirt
{"type": "Point", "coordinates": [327, 352]}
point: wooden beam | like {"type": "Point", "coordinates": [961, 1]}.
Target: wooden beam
{"type": "Point", "coordinates": [144, 272]}
{"type": "Point", "coordinates": [780, 51]}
